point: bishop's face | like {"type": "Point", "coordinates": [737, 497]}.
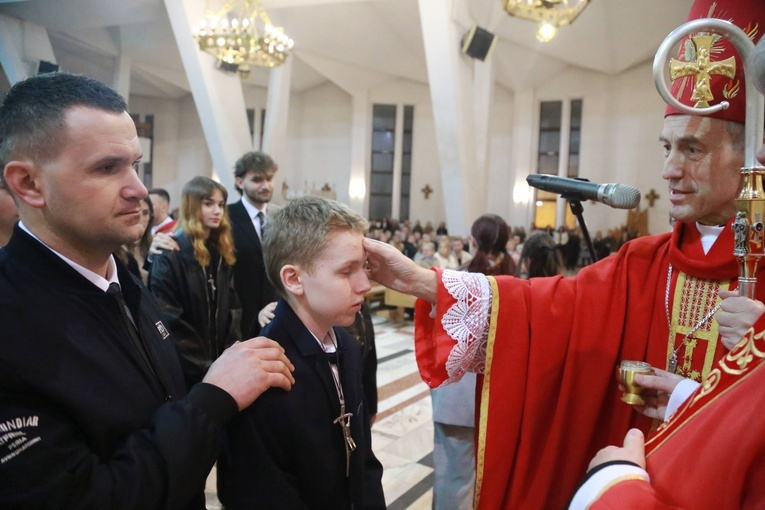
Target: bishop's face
{"type": "Point", "coordinates": [702, 169]}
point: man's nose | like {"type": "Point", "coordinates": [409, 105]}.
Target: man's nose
{"type": "Point", "coordinates": [673, 166]}
{"type": "Point", "coordinates": [134, 188]}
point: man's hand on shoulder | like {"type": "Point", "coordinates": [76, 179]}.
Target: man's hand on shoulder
{"type": "Point", "coordinates": [247, 369]}
{"type": "Point", "coordinates": [162, 241]}
{"type": "Point", "coordinates": [266, 315]}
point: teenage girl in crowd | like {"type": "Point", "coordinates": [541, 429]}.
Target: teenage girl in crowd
{"type": "Point", "coordinates": [194, 285]}
{"type": "Point", "coordinates": [489, 236]}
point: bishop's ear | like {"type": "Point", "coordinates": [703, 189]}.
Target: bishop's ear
{"type": "Point", "coordinates": [290, 276]}
{"type": "Point", "coordinates": [25, 180]}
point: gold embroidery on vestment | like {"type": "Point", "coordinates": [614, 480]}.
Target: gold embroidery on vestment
{"type": "Point", "coordinates": [692, 299]}
{"type": "Point", "coordinates": [484, 405]}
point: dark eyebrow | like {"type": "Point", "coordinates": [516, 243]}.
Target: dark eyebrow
{"type": "Point", "coordinates": [683, 139]}
{"type": "Point", "coordinates": [110, 160]}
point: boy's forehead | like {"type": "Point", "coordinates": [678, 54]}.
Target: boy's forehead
{"type": "Point", "coordinates": [343, 244]}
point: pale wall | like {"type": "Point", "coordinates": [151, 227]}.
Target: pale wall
{"type": "Point", "coordinates": [622, 120]}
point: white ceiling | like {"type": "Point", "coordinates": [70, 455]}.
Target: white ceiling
{"type": "Point", "coordinates": [382, 37]}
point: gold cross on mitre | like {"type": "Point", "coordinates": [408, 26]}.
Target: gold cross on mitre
{"type": "Point", "coordinates": [702, 69]}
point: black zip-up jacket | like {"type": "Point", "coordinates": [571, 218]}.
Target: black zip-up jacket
{"type": "Point", "coordinates": [180, 285]}
{"type": "Point", "coordinates": [83, 421]}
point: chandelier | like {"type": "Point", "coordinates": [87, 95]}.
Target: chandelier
{"type": "Point", "coordinates": [241, 35]}
{"type": "Point", "coordinates": [550, 14]}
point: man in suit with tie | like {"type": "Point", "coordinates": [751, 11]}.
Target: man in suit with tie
{"type": "Point", "coordinates": [254, 178]}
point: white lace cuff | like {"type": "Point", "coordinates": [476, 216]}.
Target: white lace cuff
{"type": "Point", "coordinates": [467, 322]}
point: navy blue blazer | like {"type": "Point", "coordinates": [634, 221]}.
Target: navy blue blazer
{"type": "Point", "coordinates": [284, 451]}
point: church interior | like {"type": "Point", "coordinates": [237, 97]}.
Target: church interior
{"type": "Point", "coordinates": [378, 104]}
{"type": "Point", "coordinates": [459, 135]}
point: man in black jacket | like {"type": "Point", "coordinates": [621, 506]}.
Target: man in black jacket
{"type": "Point", "coordinates": [94, 412]}
{"type": "Point", "coordinates": [254, 178]}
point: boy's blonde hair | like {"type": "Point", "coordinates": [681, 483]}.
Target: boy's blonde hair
{"type": "Point", "coordinates": [297, 233]}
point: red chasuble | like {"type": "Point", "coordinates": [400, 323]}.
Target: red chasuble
{"type": "Point", "coordinates": [549, 400]}
{"type": "Point", "coordinates": [711, 453]}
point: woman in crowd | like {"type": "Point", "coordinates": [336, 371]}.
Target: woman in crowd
{"type": "Point", "coordinates": [194, 284]}
{"type": "Point", "coordinates": [488, 236]}
{"type": "Point", "coordinates": [134, 255]}
{"type": "Point", "coordinates": [539, 257]}
{"type": "Point", "coordinates": [444, 256]}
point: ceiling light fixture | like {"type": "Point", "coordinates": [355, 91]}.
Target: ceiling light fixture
{"type": "Point", "coordinates": [241, 35]}
{"type": "Point", "coordinates": [550, 14]}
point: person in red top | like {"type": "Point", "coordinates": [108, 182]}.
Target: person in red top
{"type": "Point", "coordinates": [716, 426]}
{"type": "Point", "coordinates": [548, 347]}
{"type": "Point", "coordinates": [163, 222]}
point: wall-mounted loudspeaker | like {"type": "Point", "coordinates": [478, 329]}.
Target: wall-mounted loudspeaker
{"type": "Point", "coordinates": [46, 67]}
{"type": "Point", "coordinates": [478, 43]}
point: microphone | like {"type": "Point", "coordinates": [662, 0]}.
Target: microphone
{"type": "Point", "coordinates": [618, 196]}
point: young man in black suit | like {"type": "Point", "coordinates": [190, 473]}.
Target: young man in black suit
{"type": "Point", "coordinates": [254, 178]}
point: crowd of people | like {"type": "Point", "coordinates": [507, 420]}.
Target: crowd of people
{"type": "Point", "coordinates": [131, 361]}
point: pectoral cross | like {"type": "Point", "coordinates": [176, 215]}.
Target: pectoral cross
{"type": "Point", "coordinates": [702, 69]}
{"type": "Point", "coordinates": [690, 344]}
{"type": "Point", "coordinates": [350, 445]}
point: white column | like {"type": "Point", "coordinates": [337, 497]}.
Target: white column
{"type": "Point", "coordinates": [277, 111]}
{"type": "Point", "coordinates": [523, 207]}
{"type": "Point", "coordinates": [565, 135]}
{"type": "Point", "coordinates": [217, 95]}
{"type": "Point", "coordinates": [122, 70]}
{"type": "Point", "coordinates": [450, 77]}
{"type": "Point", "coordinates": [22, 45]}
{"type": "Point", "coordinates": [361, 133]}
{"type": "Point", "coordinates": [398, 150]}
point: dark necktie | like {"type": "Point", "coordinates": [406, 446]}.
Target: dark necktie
{"type": "Point", "coordinates": [129, 323]}
{"type": "Point", "coordinates": [262, 219]}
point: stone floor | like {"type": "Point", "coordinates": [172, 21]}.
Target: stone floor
{"type": "Point", "coordinates": [402, 436]}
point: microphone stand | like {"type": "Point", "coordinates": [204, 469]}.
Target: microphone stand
{"type": "Point", "coordinates": [574, 200]}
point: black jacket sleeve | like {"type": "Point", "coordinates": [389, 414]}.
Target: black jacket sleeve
{"type": "Point", "coordinates": [46, 462]}
{"type": "Point", "coordinates": [167, 282]}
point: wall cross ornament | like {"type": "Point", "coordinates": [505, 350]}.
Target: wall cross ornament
{"type": "Point", "coordinates": [427, 190]}
{"type": "Point", "coordinates": [652, 196]}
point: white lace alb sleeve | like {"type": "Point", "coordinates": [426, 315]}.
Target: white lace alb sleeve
{"type": "Point", "coordinates": [467, 322]}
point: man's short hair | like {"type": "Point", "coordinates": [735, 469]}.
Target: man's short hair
{"type": "Point", "coordinates": [254, 161]}
{"type": "Point", "coordinates": [32, 114]}
{"type": "Point", "coordinates": [297, 233]}
{"type": "Point", "coordinates": [737, 135]}
{"type": "Point", "coordinates": [161, 192]}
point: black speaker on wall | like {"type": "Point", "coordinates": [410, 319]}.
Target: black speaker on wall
{"type": "Point", "coordinates": [44, 67]}
{"type": "Point", "coordinates": [478, 43]}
